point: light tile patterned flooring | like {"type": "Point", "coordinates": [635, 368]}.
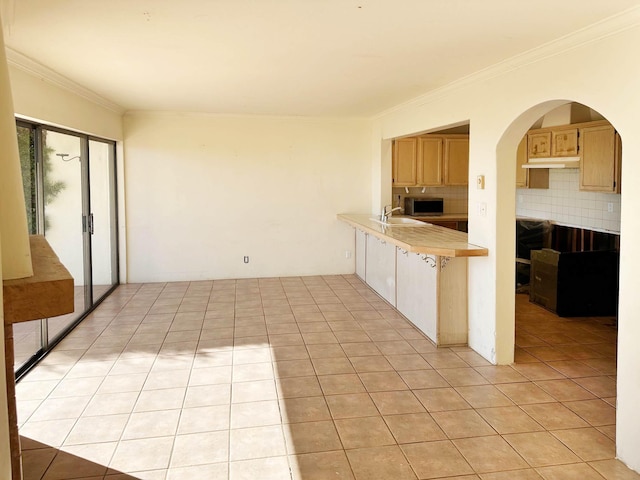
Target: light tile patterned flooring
{"type": "Point", "coordinates": [312, 378]}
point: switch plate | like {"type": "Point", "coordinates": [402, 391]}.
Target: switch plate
{"type": "Point", "coordinates": [482, 209]}
{"type": "Point", "coordinates": [480, 182]}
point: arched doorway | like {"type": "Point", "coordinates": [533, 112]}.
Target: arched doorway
{"type": "Point", "coordinates": [572, 357]}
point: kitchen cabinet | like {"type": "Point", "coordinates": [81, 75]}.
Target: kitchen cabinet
{"type": "Point", "coordinates": [559, 141]}
{"type": "Point", "coordinates": [539, 144]}
{"type": "Point", "coordinates": [404, 162]}
{"type": "Point", "coordinates": [600, 161]}
{"type": "Point", "coordinates": [564, 142]}
{"type": "Point", "coordinates": [361, 252]}
{"type": "Point", "coordinates": [456, 160]}
{"type": "Point", "coordinates": [529, 178]}
{"type": "Point", "coordinates": [431, 161]}
{"type": "Point", "coordinates": [380, 268]}
{"type": "Point", "coordinates": [422, 271]}
{"type": "Point", "coordinates": [432, 294]}
{"type": "Point", "coordinates": [417, 290]}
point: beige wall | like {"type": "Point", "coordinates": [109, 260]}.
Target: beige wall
{"type": "Point", "coordinates": [203, 191]}
{"type": "Point", "coordinates": [593, 68]}
{"type": "Point", "coordinates": [40, 100]}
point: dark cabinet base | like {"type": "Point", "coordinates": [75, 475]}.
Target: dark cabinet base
{"type": "Point", "coordinates": [575, 284]}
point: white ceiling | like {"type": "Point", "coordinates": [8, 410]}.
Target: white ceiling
{"type": "Point", "coordinates": [282, 57]}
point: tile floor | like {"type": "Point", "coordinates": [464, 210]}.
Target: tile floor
{"type": "Point", "coordinates": [312, 378]}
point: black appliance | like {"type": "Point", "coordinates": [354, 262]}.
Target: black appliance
{"type": "Point", "coordinates": [423, 206]}
{"type": "Point", "coordinates": [575, 284]}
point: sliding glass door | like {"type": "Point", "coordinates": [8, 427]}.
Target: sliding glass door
{"type": "Point", "coordinates": [69, 185]}
{"type": "Point", "coordinates": [63, 191]}
{"type": "Point", "coordinates": [102, 217]}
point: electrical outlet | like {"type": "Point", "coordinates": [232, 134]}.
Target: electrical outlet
{"type": "Point", "coordinates": [482, 209]}
{"type": "Point", "coordinates": [610, 207]}
{"type": "Point", "coordinates": [347, 254]}
{"type": "Point", "coordinates": [246, 259]}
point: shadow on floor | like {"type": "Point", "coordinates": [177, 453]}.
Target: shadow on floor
{"type": "Point", "coordinates": [38, 458]}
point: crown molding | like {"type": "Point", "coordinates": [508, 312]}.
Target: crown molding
{"type": "Point", "coordinates": [32, 67]}
{"type": "Point", "coordinates": [613, 25]}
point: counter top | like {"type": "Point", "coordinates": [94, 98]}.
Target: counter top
{"type": "Point", "coordinates": [427, 239]}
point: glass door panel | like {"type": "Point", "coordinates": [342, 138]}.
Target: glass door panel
{"type": "Point", "coordinates": [27, 336]}
{"type": "Point", "coordinates": [26, 150]}
{"type": "Point", "coordinates": [102, 217]}
{"type": "Point", "coordinates": [27, 341]}
{"type": "Point", "coordinates": [63, 214]}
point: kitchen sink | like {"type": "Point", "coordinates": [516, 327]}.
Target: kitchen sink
{"type": "Point", "coordinates": [399, 222]}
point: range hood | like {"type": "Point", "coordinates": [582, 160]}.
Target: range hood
{"type": "Point", "coordinates": [553, 162]}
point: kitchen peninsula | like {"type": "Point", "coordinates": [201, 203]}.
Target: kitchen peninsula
{"type": "Point", "coordinates": [420, 269]}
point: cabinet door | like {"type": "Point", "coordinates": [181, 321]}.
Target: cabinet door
{"type": "Point", "coordinates": [430, 161]}
{"type": "Point", "coordinates": [381, 268]}
{"type": "Point", "coordinates": [618, 163]}
{"type": "Point", "coordinates": [418, 291]}
{"type": "Point", "coordinates": [521, 159]}
{"type": "Point", "coordinates": [564, 143]}
{"type": "Point", "coordinates": [529, 178]}
{"type": "Point", "coordinates": [361, 252]}
{"type": "Point", "coordinates": [539, 144]}
{"type": "Point", "coordinates": [456, 161]}
{"type": "Point", "coordinates": [597, 165]}
{"type": "Point", "coordinates": [404, 162]}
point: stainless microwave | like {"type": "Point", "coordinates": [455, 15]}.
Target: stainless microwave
{"type": "Point", "coordinates": [423, 206]}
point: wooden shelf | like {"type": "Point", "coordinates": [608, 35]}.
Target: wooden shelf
{"type": "Point", "coordinates": [48, 293]}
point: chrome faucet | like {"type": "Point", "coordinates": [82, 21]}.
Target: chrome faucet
{"type": "Point", "coordinates": [384, 216]}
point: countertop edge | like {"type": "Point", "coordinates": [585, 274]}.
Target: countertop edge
{"type": "Point", "coordinates": [471, 251]}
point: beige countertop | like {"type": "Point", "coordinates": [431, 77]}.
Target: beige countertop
{"type": "Point", "coordinates": [427, 239]}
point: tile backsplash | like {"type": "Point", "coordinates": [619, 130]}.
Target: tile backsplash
{"type": "Point", "coordinates": [565, 204]}
{"type": "Point", "coordinates": [455, 198]}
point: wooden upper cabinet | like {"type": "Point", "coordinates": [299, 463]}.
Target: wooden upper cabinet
{"type": "Point", "coordinates": [539, 144]}
{"type": "Point", "coordinates": [431, 161]}
{"type": "Point", "coordinates": [599, 165]}
{"type": "Point", "coordinates": [564, 143]}
{"type": "Point", "coordinates": [456, 160]}
{"type": "Point", "coordinates": [521, 159]}
{"type": "Point", "coordinates": [529, 178]}
{"type": "Point", "coordinates": [404, 162]}
{"type": "Point", "coordinates": [429, 167]}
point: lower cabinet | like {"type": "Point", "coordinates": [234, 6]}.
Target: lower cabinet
{"type": "Point", "coordinates": [380, 268]}
{"type": "Point", "coordinates": [432, 294]}
{"type": "Point", "coordinates": [417, 288]}
{"type": "Point", "coordinates": [361, 252]}
{"type": "Point", "coordinates": [429, 290]}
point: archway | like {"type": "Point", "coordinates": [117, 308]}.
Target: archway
{"type": "Point", "coordinates": [558, 113]}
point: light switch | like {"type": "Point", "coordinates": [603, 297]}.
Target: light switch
{"type": "Point", "coordinates": [480, 182]}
